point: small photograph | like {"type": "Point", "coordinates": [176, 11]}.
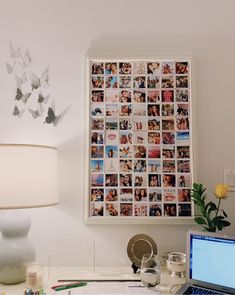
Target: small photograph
{"type": "Point", "coordinates": [154, 180]}
{"type": "Point", "coordinates": [170, 210]}
{"type": "Point", "coordinates": [97, 68]}
{"type": "Point", "coordinates": [169, 195]}
{"type": "Point", "coordinates": [111, 195]}
{"type": "Point", "coordinates": [97, 123]}
{"type": "Point", "coordinates": [139, 151]}
{"type": "Point", "coordinates": [168, 110]}
{"type": "Point", "coordinates": [181, 67]}
{"type": "Point", "coordinates": [154, 152]}
{"type": "Point", "coordinates": [125, 110]}
{"type": "Point", "coordinates": [97, 180]}
{"type": "Point", "coordinates": [182, 95]}
{"type": "Point", "coordinates": [184, 209]}
{"type": "Point", "coordinates": [182, 109]}
{"type": "Point", "coordinates": [125, 151]}
{"type": "Point", "coordinates": [139, 165]}
{"type": "Point", "coordinates": [97, 111]}
{"type": "Point", "coordinates": [154, 137]}
{"type": "Point", "coordinates": [184, 180]}
{"type": "Point", "coordinates": [97, 137]}
{"type": "Point", "coordinates": [125, 124]}
{"type": "Point", "coordinates": [140, 180]}
{"type": "Point", "coordinates": [169, 180]}
{"type": "Point", "coordinates": [139, 137]}
{"type": "Point", "coordinates": [97, 166]}
{"type": "Point", "coordinates": [183, 152]}
{"type": "Point", "coordinates": [139, 96]}
{"type": "Point", "coordinates": [125, 180]}
{"type": "Point", "coordinates": [154, 166]}
{"type": "Point", "coordinates": [97, 82]}
{"type": "Point", "coordinates": [155, 210]}
{"type": "Point", "coordinates": [168, 166]}
{"type": "Point", "coordinates": [168, 124]}
{"type": "Point", "coordinates": [110, 68]}
{"type": "Point", "coordinates": [125, 96]}
{"type": "Point", "coordinates": [168, 152]}
{"type": "Point", "coordinates": [97, 195]}
{"type": "Point", "coordinates": [167, 95]}
{"type": "Point", "coordinates": [139, 68]}
{"type": "Point", "coordinates": [111, 179]}
{"type": "Point", "coordinates": [168, 137]}
{"type": "Point", "coordinates": [155, 195]}
{"type": "Point", "coordinates": [111, 151]}
{"type": "Point", "coordinates": [139, 123]}
{"type": "Point", "coordinates": [153, 110]}
{"type": "Point", "coordinates": [139, 82]}
{"type": "Point", "coordinates": [97, 95]}
{"type": "Point", "coordinates": [182, 123]}
{"type": "Point", "coordinates": [111, 124]}
{"type": "Point", "coordinates": [183, 138]}
{"type": "Point", "coordinates": [140, 194]}
{"type": "Point", "coordinates": [140, 210]}
{"type": "Point", "coordinates": [153, 68]}
{"type": "Point", "coordinates": [126, 195]}
{"type": "Point", "coordinates": [183, 166]}
{"type": "Point", "coordinates": [154, 124]}
{"type": "Point", "coordinates": [97, 151]}
{"type": "Point", "coordinates": [125, 165]}
{"type": "Point", "coordinates": [153, 81]}
{"type": "Point", "coordinates": [168, 82]}
{"type": "Point", "coordinates": [111, 82]}
{"type": "Point", "coordinates": [167, 68]}
{"type": "Point", "coordinates": [97, 209]}
{"type": "Point", "coordinates": [111, 209]}
{"type": "Point", "coordinates": [139, 109]}
{"type": "Point", "coordinates": [125, 68]}
{"type": "Point", "coordinates": [153, 95]}
{"type": "Point", "coordinates": [111, 137]}
{"type": "Point", "coordinates": [125, 137]}
{"type": "Point", "coordinates": [184, 195]}
{"type": "Point", "coordinates": [111, 165]}
{"type": "Point", "coordinates": [181, 82]}
{"type": "Point", "coordinates": [111, 110]}
{"type": "Point", "coordinates": [125, 82]}
{"type": "Point", "coordinates": [126, 209]}
{"type": "Point", "coordinates": [111, 95]}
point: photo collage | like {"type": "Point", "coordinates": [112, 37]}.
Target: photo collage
{"type": "Point", "coordinates": [140, 162]}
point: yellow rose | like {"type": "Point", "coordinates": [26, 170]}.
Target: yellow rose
{"type": "Point", "coordinates": [221, 191]}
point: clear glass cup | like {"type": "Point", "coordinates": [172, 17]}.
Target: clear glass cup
{"type": "Point", "coordinates": [150, 271]}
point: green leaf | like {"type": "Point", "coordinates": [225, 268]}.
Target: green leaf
{"type": "Point", "coordinates": [200, 220]}
{"type": "Point", "coordinates": [225, 214]}
{"type": "Point", "coordinates": [226, 223]}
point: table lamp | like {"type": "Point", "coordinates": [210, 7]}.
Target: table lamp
{"type": "Point", "coordinates": [28, 175]}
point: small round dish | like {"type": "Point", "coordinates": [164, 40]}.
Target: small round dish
{"type": "Point", "coordinates": [139, 245]}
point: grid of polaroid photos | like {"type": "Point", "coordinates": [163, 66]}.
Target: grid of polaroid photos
{"type": "Point", "coordinates": [140, 138]}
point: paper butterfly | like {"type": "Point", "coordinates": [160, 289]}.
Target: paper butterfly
{"type": "Point", "coordinates": [36, 113]}
{"type": "Point", "coordinates": [17, 112]}
{"type": "Point", "coordinates": [20, 96]}
{"type": "Point", "coordinates": [52, 118]}
{"type": "Point", "coordinates": [43, 81]}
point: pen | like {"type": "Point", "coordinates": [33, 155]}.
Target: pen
{"type": "Point", "coordinates": [57, 286]}
{"type": "Point", "coordinates": [103, 280]}
{"type": "Point", "coordinates": [65, 287]}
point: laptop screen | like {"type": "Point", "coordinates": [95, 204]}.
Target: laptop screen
{"type": "Point", "coordinates": [212, 259]}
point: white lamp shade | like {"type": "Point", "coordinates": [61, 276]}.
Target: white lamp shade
{"type": "Point", "coordinates": [28, 176]}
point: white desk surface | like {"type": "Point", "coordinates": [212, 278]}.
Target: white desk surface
{"type": "Point", "coordinates": [51, 277]}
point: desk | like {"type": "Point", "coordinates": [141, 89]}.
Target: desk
{"type": "Point", "coordinates": [51, 277]}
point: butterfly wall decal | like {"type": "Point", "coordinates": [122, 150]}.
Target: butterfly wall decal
{"type": "Point", "coordinates": [17, 112]}
{"type": "Point", "coordinates": [15, 53]}
{"type": "Point", "coordinates": [37, 82]}
{"type": "Point", "coordinates": [21, 80]}
{"type": "Point", "coordinates": [22, 97]}
{"type": "Point", "coordinates": [54, 119]}
{"type": "Point", "coordinates": [36, 113]}
{"type": "Point", "coordinates": [42, 98]}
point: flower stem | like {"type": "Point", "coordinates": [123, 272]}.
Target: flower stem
{"type": "Point", "coordinates": [218, 207]}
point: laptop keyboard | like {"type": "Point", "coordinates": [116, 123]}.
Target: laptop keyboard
{"type": "Point", "coordinates": [201, 291]}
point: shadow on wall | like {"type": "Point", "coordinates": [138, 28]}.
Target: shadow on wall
{"type": "Point", "coordinates": [72, 177]}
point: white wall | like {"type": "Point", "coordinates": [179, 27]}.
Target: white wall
{"type": "Point", "coordinates": [59, 33]}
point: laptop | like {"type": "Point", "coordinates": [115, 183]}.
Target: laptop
{"type": "Point", "coordinates": [210, 264]}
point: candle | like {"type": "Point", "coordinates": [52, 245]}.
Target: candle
{"type": "Point", "coordinates": [34, 276]}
